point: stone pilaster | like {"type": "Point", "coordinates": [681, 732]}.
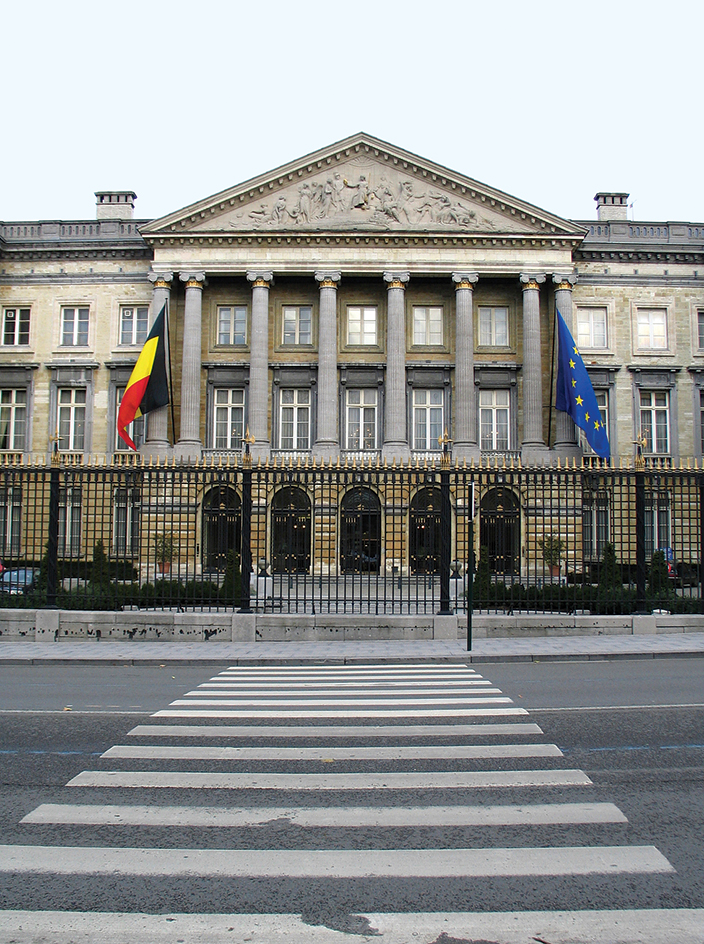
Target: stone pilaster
{"type": "Point", "coordinates": [395, 431]}
{"type": "Point", "coordinates": [157, 422]}
{"type": "Point", "coordinates": [565, 432]}
{"type": "Point", "coordinates": [466, 445]}
{"type": "Point", "coordinates": [190, 445]}
{"type": "Point", "coordinates": [533, 447]}
{"type": "Point", "coordinates": [258, 399]}
{"type": "Point", "coordinates": [327, 445]}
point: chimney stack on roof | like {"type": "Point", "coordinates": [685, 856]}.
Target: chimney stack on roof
{"type": "Point", "coordinates": [114, 204]}
{"type": "Point", "coordinates": [612, 206]}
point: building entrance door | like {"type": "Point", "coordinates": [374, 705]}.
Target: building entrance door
{"type": "Point", "coordinates": [424, 536]}
{"type": "Point", "coordinates": [500, 530]}
{"type": "Point", "coordinates": [360, 532]}
{"type": "Point", "coordinates": [222, 526]}
{"type": "Point", "coordinates": [291, 531]}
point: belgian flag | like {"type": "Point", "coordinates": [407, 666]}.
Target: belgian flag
{"type": "Point", "coordinates": [148, 386]}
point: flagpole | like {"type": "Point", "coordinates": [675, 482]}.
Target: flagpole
{"type": "Point", "coordinates": [171, 388]}
{"type": "Point", "coordinates": [552, 375]}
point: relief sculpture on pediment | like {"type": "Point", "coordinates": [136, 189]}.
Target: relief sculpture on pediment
{"type": "Point", "coordinates": [368, 197]}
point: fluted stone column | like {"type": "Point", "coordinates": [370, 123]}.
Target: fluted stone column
{"type": "Point", "coordinates": [327, 445]}
{"type": "Point", "coordinates": [395, 431]}
{"type": "Point", "coordinates": [157, 422]}
{"type": "Point", "coordinates": [189, 445]}
{"type": "Point", "coordinates": [533, 446]}
{"type": "Point", "coordinates": [258, 400]}
{"type": "Point", "coordinates": [466, 445]}
{"type": "Point", "coordinates": [565, 432]}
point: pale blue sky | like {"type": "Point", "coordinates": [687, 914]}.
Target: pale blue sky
{"type": "Point", "coordinates": [548, 101]}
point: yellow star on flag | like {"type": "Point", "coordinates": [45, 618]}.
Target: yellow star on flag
{"type": "Point", "coordinates": [596, 425]}
{"type": "Point", "coordinates": [575, 350]}
{"type": "Point", "coordinates": [572, 364]}
{"type": "Point", "coordinates": [579, 401]}
{"type": "Point", "coordinates": [586, 417]}
{"type": "Point", "coordinates": [574, 383]}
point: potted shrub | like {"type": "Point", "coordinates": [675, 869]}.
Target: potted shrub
{"type": "Point", "coordinates": [164, 547]}
{"type": "Point", "coordinates": [553, 548]}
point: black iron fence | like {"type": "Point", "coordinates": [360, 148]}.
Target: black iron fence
{"type": "Point", "coordinates": [351, 537]}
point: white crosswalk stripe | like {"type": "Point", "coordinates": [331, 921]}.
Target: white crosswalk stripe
{"type": "Point", "coordinates": [325, 749]}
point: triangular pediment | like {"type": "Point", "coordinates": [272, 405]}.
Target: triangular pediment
{"type": "Point", "coordinates": [361, 185]}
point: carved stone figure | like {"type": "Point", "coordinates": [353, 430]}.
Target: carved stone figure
{"type": "Point", "coordinates": [360, 193]}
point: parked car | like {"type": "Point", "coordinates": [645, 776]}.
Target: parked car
{"type": "Point", "coordinates": [18, 580]}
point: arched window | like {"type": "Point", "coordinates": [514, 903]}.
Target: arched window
{"type": "Point", "coordinates": [424, 532]}
{"type": "Point", "coordinates": [500, 530]}
{"type": "Point", "coordinates": [222, 526]}
{"type": "Point", "coordinates": [291, 531]}
{"type": "Point", "coordinates": [360, 532]}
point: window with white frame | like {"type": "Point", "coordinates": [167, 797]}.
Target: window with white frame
{"type": "Point", "coordinates": [15, 327]}
{"type": "Point", "coordinates": [655, 421]}
{"type": "Point", "coordinates": [494, 407]}
{"type": "Point", "coordinates": [427, 419]}
{"type": "Point", "coordinates": [232, 324]}
{"type": "Point", "coordinates": [361, 413]}
{"type": "Point", "coordinates": [700, 329]}
{"type": "Point", "coordinates": [228, 418]}
{"type": "Point", "coordinates": [657, 522]}
{"type": "Point", "coordinates": [135, 430]}
{"type": "Point", "coordinates": [493, 327]}
{"type": "Point", "coordinates": [126, 522]}
{"type": "Point", "coordinates": [74, 327]}
{"type": "Point", "coordinates": [591, 328]}
{"type": "Point", "coordinates": [70, 521]}
{"type": "Point", "coordinates": [294, 419]}
{"type": "Point", "coordinates": [297, 324]}
{"type": "Point", "coordinates": [134, 324]}
{"type": "Point", "coordinates": [595, 524]}
{"type": "Point", "coordinates": [651, 325]}
{"type": "Point", "coordinates": [13, 419]}
{"type": "Point", "coordinates": [427, 325]}
{"type": "Point", "coordinates": [10, 520]}
{"type": "Point", "coordinates": [361, 325]}
{"type": "Point", "coordinates": [602, 400]}
{"type": "Point", "coordinates": [72, 418]}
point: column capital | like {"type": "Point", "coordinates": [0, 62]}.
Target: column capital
{"type": "Point", "coordinates": [328, 279]}
{"type": "Point", "coordinates": [396, 279]}
{"type": "Point", "coordinates": [192, 279]}
{"type": "Point", "coordinates": [160, 279]}
{"type": "Point", "coordinates": [564, 283]}
{"type": "Point", "coordinates": [465, 279]}
{"type": "Point", "coordinates": [260, 279]}
{"type": "Point", "coordinates": [532, 280]}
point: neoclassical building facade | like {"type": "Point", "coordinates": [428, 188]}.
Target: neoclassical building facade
{"type": "Point", "coordinates": [358, 302]}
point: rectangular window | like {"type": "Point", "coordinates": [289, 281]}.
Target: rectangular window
{"type": "Point", "coordinates": [297, 324]}
{"type": "Point", "coordinates": [657, 523]}
{"type": "Point", "coordinates": [74, 327]}
{"type": "Point", "coordinates": [591, 328]}
{"type": "Point", "coordinates": [652, 329]}
{"type": "Point", "coordinates": [126, 515]}
{"type": "Point", "coordinates": [427, 419]}
{"type": "Point", "coordinates": [655, 421]}
{"type": "Point", "coordinates": [295, 419]}
{"type": "Point", "coordinates": [232, 324]}
{"type": "Point", "coordinates": [427, 325]}
{"type": "Point", "coordinates": [228, 418]}
{"type": "Point", "coordinates": [134, 325]}
{"type": "Point", "coordinates": [361, 325]}
{"type": "Point", "coordinates": [361, 406]}
{"type": "Point", "coordinates": [15, 326]}
{"type": "Point", "coordinates": [595, 525]}
{"type": "Point", "coordinates": [602, 399]}
{"type": "Point", "coordinates": [493, 327]}
{"type": "Point", "coordinates": [70, 521]}
{"type": "Point", "coordinates": [494, 420]}
{"type": "Point", "coordinates": [135, 430]}
{"type": "Point", "coordinates": [13, 419]}
{"type": "Point", "coordinates": [700, 329]}
{"type": "Point", "coordinates": [72, 419]}
{"type": "Point", "coordinates": [10, 520]}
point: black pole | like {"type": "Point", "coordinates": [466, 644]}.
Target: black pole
{"type": "Point", "coordinates": [641, 571]}
{"type": "Point", "coordinates": [469, 596]}
{"type": "Point", "coordinates": [445, 542]}
{"type": "Point", "coordinates": [246, 558]}
{"type": "Point", "coordinates": [171, 385]}
{"type": "Point", "coordinates": [52, 563]}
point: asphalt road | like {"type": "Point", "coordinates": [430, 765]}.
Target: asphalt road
{"type": "Point", "coordinates": [636, 729]}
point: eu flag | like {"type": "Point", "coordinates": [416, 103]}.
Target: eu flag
{"type": "Point", "coordinates": [575, 394]}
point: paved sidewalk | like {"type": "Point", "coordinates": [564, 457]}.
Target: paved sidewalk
{"type": "Point", "coordinates": [528, 649]}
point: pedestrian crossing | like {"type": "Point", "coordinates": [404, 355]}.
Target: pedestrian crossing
{"type": "Point", "coordinates": [283, 780]}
